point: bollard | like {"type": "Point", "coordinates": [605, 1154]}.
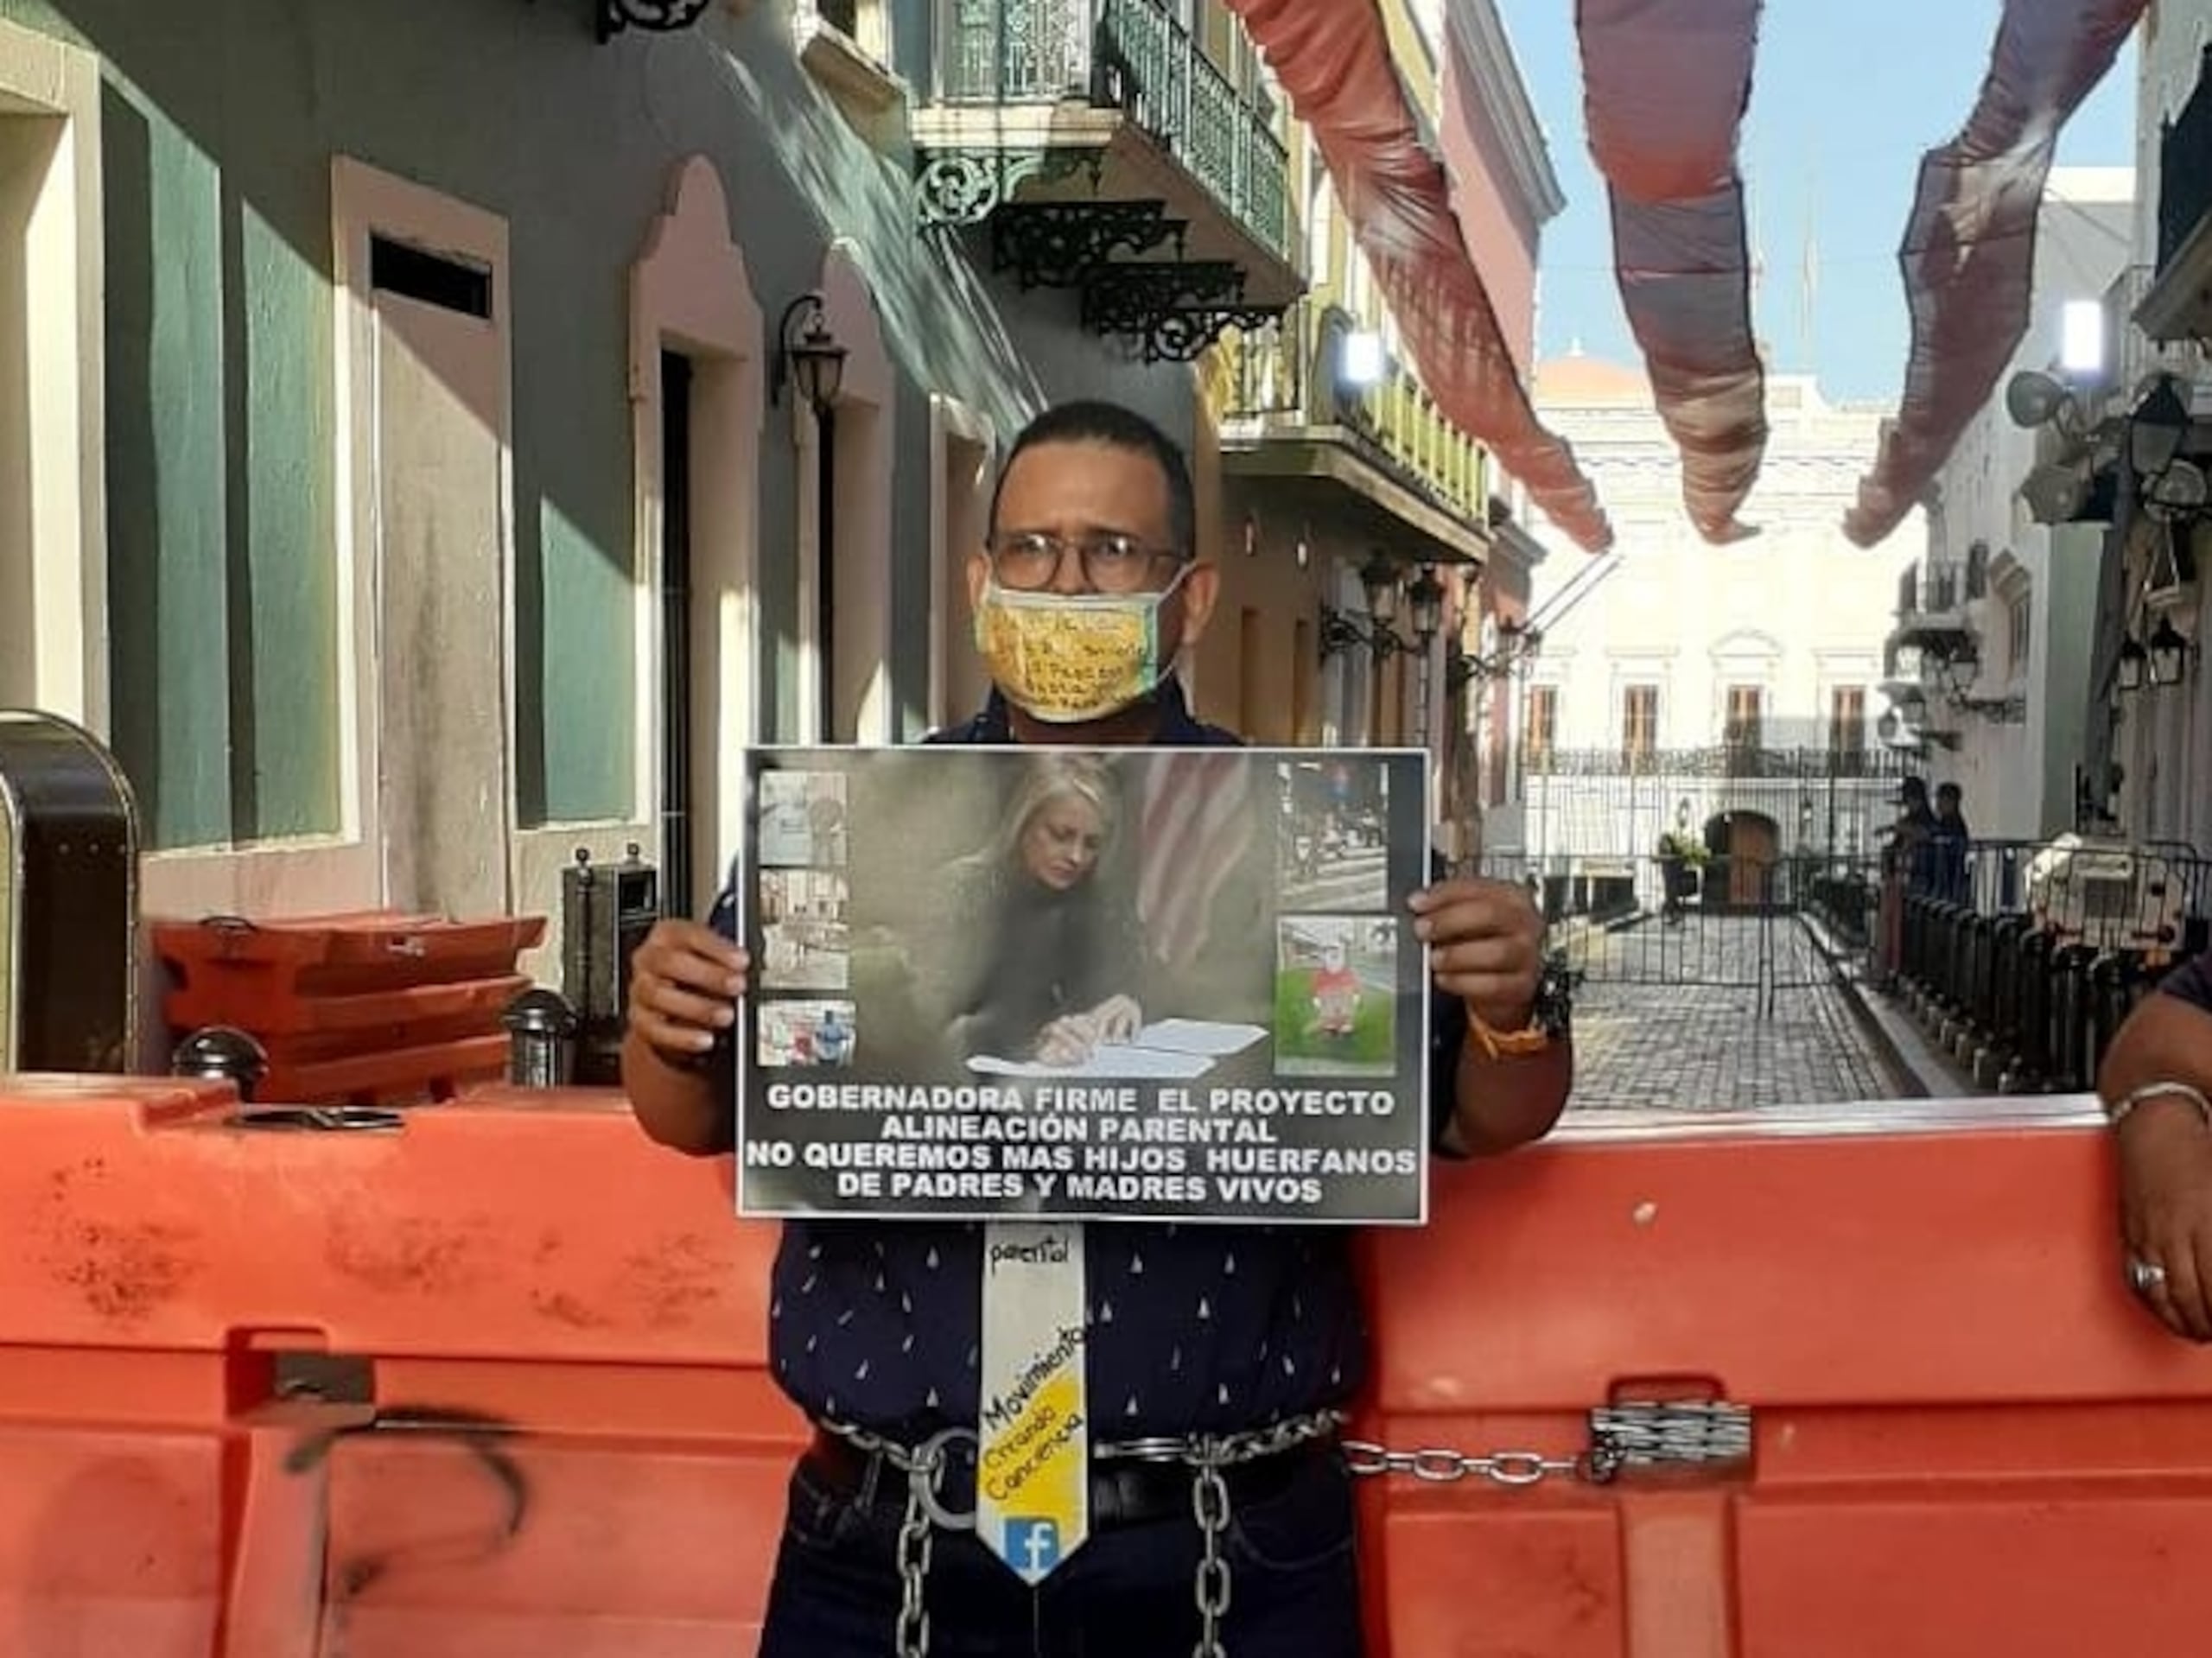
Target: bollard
{"type": "Point", "coordinates": [541, 1039]}
{"type": "Point", "coordinates": [2034, 1069]}
{"type": "Point", "coordinates": [2069, 1018]}
{"type": "Point", "coordinates": [222, 1053]}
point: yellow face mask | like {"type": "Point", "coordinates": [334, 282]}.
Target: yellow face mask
{"type": "Point", "coordinates": [1068, 657]}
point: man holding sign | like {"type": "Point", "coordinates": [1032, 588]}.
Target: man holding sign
{"type": "Point", "coordinates": [1032, 1430]}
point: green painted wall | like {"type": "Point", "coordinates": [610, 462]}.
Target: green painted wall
{"type": "Point", "coordinates": [221, 120]}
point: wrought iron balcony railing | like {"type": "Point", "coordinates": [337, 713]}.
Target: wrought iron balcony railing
{"type": "Point", "coordinates": [1806, 764]}
{"type": "Point", "coordinates": [1286, 375]}
{"type": "Point", "coordinates": [1131, 55]}
{"type": "Point", "coordinates": [1936, 587]}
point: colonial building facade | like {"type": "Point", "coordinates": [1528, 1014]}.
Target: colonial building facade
{"type": "Point", "coordinates": [1989, 660]}
{"type": "Point", "coordinates": [1738, 681]}
{"type": "Point", "coordinates": [436, 438]}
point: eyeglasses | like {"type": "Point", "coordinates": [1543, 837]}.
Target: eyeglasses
{"type": "Point", "coordinates": [1111, 563]}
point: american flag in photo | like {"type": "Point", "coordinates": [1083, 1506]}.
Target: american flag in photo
{"type": "Point", "coordinates": [1196, 822]}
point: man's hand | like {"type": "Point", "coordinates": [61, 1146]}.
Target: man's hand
{"type": "Point", "coordinates": [2165, 1209]}
{"type": "Point", "coordinates": [684, 982]}
{"type": "Point", "coordinates": [1485, 942]}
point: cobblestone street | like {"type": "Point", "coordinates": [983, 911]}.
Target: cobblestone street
{"type": "Point", "coordinates": [1669, 1018]}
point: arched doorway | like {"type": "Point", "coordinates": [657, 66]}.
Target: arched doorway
{"type": "Point", "coordinates": [1745, 847]}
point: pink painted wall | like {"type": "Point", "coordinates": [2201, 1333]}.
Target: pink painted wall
{"type": "Point", "coordinates": [1499, 231]}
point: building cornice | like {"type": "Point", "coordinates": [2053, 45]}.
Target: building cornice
{"type": "Point", "coordinates": [1477, 38]}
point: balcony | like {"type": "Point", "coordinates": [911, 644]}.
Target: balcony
{"type": "Point", "coordinates": [2179, 304]}
{"type": "Point", "coordinates": [1107, 153]}
{"type": "Point", "coordinates": [1933, 596]}
{"type": "Point", "coordinates": [1289, 411]}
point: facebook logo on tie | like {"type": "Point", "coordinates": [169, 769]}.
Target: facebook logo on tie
{"type": "Point", "coordinates": [1034, 1546]}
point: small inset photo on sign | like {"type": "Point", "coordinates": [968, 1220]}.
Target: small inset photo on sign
{"type": "Point", "coordinates": [1332, 836]}
{"type": "Point", "coordinates": [1335, 995]}
{"type": "Point", "coordinates": [805, 942]}
{"type": "Point", "coordinates": [797, 1034]}
{"type": "Point", "coordinates": [803, 818]}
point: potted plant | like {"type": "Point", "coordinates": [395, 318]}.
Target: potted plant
{"type": "Point", "coordinates": [1681, 855]}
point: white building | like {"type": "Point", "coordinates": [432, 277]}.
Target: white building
{"type": "Point", "coordinates": [1739, 678]}
{"type": "Point", "coordinates": [2000, 602]}
{"type": "Point", "coordinates": [2160, 734]}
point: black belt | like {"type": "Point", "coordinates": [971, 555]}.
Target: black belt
{"type": "Point", "coordinates": [1124, 1491]}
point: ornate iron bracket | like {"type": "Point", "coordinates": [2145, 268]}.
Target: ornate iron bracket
{"type": "Point", "coordinates": [1064, 243]}
{"type": "Point", "coordinates": [1342, 631]}
{"type": "Point", "coordinates": [660, 17]}
{"type": "Point", "coordinates": [966, 187]}
{"type": "Point", "coordinates": [1172, 312]}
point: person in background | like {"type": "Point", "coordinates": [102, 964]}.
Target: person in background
{"type": "Point", "coordinates": [1237, 1332]}
{"type": "Point", "coordinates": [1904, 861]}
{"type": "Point", "coordinates": [2156, 1082]}
{"type": "Point", "coordinates": [1948, 837]}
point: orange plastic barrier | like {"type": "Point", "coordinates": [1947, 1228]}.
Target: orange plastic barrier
{"type": "Point", "coordinates": [492, 1384]}
{"type": "Point", "coordinates": [377, 1006]}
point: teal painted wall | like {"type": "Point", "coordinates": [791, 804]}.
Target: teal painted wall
{"type": "Point", "coordinates": [220, 122]}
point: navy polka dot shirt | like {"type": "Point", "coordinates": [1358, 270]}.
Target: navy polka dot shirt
{"type": "Point", "coordinates": [1193, 1329]}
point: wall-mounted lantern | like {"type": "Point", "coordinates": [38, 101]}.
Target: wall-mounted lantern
{"type": "Point", "coordinates": [807, 355]}
{"type": "Point", "coordinates": [2128, 671]}
{"type": "Point", "coordinates": [2169, 652]}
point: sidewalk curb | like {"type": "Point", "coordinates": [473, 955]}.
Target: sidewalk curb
{"type": "Point", "coordinates": [1914, 1064]}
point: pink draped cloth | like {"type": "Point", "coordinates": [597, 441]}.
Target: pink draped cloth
{"type": "Point", "coordinates": [1665, 86]}
{"type": "Point", "coordinates": [1332, 58]}
{"type": "Point", "coordinates": [1968, 254]}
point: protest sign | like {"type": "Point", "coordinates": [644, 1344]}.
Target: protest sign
{"type": "Point", "coordinates": [1160, 984]}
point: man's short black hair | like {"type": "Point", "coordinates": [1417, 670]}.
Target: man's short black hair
{"type": "Point", "coordinates": [1949, 791]}
{"type": "Point", "coordinates": [1093, 420]}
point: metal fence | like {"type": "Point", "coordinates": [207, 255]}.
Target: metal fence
{"type": "Point", "coordinates": [1759, 926]}
{"type": "Point", "coordinates": [2022, 959]}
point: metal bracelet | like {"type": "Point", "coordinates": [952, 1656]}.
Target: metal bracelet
{"type": "Point", "coordinates": [2119, 1109]}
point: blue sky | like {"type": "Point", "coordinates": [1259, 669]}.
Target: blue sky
{"type": "Point", "coordinates": [1845, 99]}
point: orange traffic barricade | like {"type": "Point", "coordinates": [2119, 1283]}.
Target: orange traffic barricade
{"type": "Point", "coordinates": [491, 1381]}
{"type": "Point", "coordinates": [364, 1008]}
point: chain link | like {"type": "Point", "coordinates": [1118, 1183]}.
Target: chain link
{"type": "Point", "coordinates": [916, 1536]}
{"type": "Point", "coordinates": [1621, 1437]}
{"type": "Point", "coordinates": [1210, 1502]}
{"type": "Point", "coordinates": [1441, 1467]}
{"type": "Point", "coordinates": [1677, 1433]}
{"type": "Point", "coordinates": [926, 1513]}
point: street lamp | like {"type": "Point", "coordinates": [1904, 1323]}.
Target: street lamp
{"type": "Point", "coordinates": [1425, 600]}
{"type": "Point", "coordinates": [2169, 653]}
{"type": "Point", "coordinates": [810, 359]}
{"type": "Point", "coordinates": [1379, 576]}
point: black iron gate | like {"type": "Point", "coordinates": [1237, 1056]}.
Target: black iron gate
{"type": "Point", "coordinates": [1757, 925]}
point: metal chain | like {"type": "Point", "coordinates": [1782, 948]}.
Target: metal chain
{"type": "Point", "coordinates": [916, 1536]}
{"type": "Point", "coordinates": [1210, 1502]}
{"type": "Point", "coordinates": [924, 1467]}
{"type": "Point", "coordinates": [1441, 1467]}
{"type": "Point", "coordinates": [926, 1513]}
{"type": "Point", "coordinates": [1700, 1433]}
